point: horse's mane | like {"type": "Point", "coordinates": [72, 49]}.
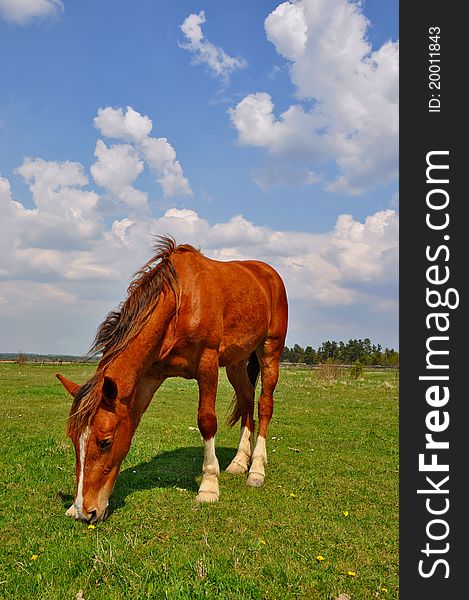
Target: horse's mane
{"type": "Point", "coordinates": [148, 283]}
{"type": "Point", "coordinates": [84, 406]}
{"type": "Point", "coordinates": [121, 325]}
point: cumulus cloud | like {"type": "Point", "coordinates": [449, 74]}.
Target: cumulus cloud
{"type": "Point", "coordinates": [67, 236]}
{"type": "Point", "coordinates": [351, 255]}
{"type": "Point", "coordinates": [64, 215]}
{"type": "Point", "coordinates": [23, 11]}
{"type": "Point", "coordinates": [127, 125]}
{"type": "Point", "coordinates": [347, 114]}
{"type": "Point", "coordinates": [115, 169]}
{"type": "Point", "coordinates": [63, 220]}
{"type": "Point", "coordinates": [66, 261]}
{"type": "Point", "coordinates": [335, 268]}
{"type": "Point", "coordinates": [56, 186]}
{"type": "Point", "coordinates": [72, 265]}
{"type": "Point", "coordinates": [158, 153]}
{"type": "Point", "coordinates": [219, 63]}
{"type": "Point", "coordinates": [161, 157]}
{"type": "Point", "coordinates": [293, 134]}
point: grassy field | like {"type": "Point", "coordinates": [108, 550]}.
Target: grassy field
{"type": "Point", "coordinates": [324, 524]}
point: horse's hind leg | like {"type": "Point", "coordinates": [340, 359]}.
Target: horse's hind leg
{"type": "Point", "coordinates": [269, 359]}
{"type": "Point", "coordinates": [207, 378]}
{"type": "Point", "coordinates": [239, 379]}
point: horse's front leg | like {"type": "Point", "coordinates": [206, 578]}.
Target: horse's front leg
{"type": "Point", "coordinates": [207, 378]}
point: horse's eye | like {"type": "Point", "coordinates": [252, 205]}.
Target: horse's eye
{"type": "Point", "coordinates": [103, 444]}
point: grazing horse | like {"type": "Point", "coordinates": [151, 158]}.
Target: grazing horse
{"type": "Point", "coordinates": [185, 315]}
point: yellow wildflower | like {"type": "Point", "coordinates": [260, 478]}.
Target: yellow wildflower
{"type": "Point", "coordinates": [319, 557]}
{"type": "Point", "coordinates": [91, 526]}
{"type": "Point", "coordinates": [34, 557]}
{"type": "Point", "coordinates": [345, 513]}
{"type": "Point", "coordinates": [351, 573]}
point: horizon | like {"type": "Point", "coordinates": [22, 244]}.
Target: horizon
{"type": "Point", "coordinates": [91, 357]}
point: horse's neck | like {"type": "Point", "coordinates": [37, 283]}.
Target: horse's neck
{"type": "Point", "coordinates": [130, 366]}
{"type": "Point", "coordinates": [146, 388]}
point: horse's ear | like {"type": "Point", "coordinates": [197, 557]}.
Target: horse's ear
{"type": "Point", "coordinates": [109, 391]}
{"type": "Point", "coordinates": [72, 388]}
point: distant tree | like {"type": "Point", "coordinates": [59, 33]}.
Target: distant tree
{"type": "Point", "coordinates": [341, 352]}
{"type": "Point", "coordinates": [328, 350]}
{"type": "Point", "coordinates": [361, 350]}
{"type": "Point", "coordinates": [390, 358]}
{"type": "Point", "coordinates": [309, 355]}
{"type": "Point", "coordinates": [298, 354]}
{"type": "Point", "coordinates": [357, 350]}
{"type": "Point", "coordinates": [21, 359]}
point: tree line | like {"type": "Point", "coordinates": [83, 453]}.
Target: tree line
{"type": "Point", "coordinates": [343, 353]}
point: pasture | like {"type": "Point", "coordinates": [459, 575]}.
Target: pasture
{"type": "Point", "coordinates": [324, 524]}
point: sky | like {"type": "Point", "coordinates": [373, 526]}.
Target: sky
{"type": "Point", "coordinates": [251, 130]}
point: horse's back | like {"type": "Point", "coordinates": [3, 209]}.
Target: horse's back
{"type": "Point", "coordinates": [235, 304]}
{"type": "Point", "coordinates": [225, 284]}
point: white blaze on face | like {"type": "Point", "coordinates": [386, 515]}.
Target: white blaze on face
{"type": "Point", "coordinates": [83, 443]}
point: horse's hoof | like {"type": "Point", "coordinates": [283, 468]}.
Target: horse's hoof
{"type": "Point", "coordinates": [206, 497]}
{"type": "Point", "coordinates": [236, 468]}
{"type": "Point", "coordinates": [70, 512]}
{"type": "Point", "coordinates": [255, 480]}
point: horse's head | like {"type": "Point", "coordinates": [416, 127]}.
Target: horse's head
{"type": "Point", "coordinates": [101, 429]}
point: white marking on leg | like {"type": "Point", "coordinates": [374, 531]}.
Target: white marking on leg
{"type": "Point", "coordinates": [209, 489]}
{"type": "Point", "coordinates": [240, 463]}
{"type": "Point", "coordinates": [245, 441]}
{"type": "Point", "coordinates": [259, 460]}
{"type": "Point", "coordinates": [79, 499]}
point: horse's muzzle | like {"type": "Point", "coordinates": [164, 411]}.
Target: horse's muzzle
{"type": "Point", "coordinates": [92, 516]}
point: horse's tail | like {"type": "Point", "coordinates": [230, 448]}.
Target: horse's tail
{"type": "Point", "coordinates": [253, 369]}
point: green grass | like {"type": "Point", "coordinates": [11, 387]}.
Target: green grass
{"type": "Point", "coordinates": [333, 447]}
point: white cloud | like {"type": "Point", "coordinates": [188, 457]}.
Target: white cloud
{"type": "Point", "coordinates": [53, 184]}
{"type": "Point", "coordinates": [66, 235]}
{"type": "Point", "coordinates": [72, 265]}
{"type": "Point", "coordinates": [287, 26]}
{"type": "Point", "coordinates": [158, 153]}
{"type": "Point", "coordinates": [63, 289]}
{"type": "Point", "coordinates": [353, 243]}
{"type": "Point", "coordinates": [161, 157]}
{"type": "Point", "coordinates": [39, 244]}
{"type": "Point", "coordinates": [115, 169]}
{"type": "Point", "coordinates": [65, 262]}
{"type": "Point", "coordinates": [129, 125]}
{"type": "Point", "coordinates": [220, 64]}
{"type": "Point", "coordinates": [353, 121]}
{"type": "Point", "coordinates": [64, 215]}
{"type": "Point", "coordinates": [293, 135]}
{"type": "Point", "coordinates": [23, 11]}
{"type": "Point", "coordinates": [334, 268]}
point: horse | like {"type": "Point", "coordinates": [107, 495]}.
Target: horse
{"type": "Point", "coordinates": [185, 315]}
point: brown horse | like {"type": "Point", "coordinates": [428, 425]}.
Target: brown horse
{"type": "Point", "coordinates": [185, 315]}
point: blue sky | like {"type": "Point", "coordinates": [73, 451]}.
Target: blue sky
{"type": "Point", "coordinates": [260, 130]}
